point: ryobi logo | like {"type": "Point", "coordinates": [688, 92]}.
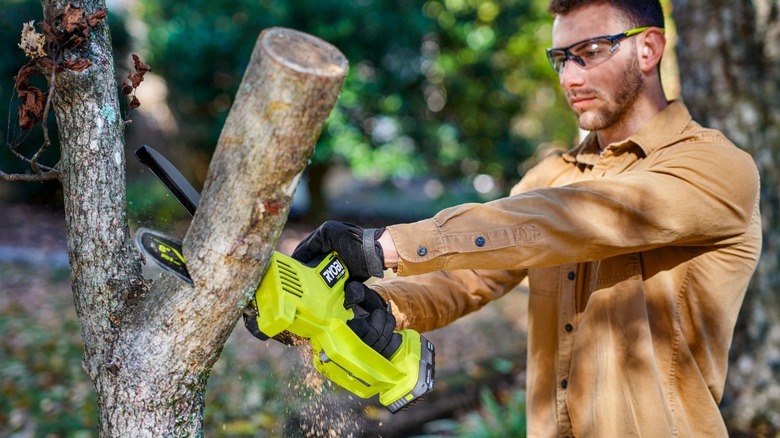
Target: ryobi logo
{"type": "Point", "coordinates": [333, 272]}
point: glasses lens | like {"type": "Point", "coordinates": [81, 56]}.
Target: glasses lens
{"type": "Point", "coordinates": [593, 52]}
{"type": "Point", "coordinates": [557, 59]}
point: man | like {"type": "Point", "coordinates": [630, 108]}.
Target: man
{"type": "Point", "coordinates": [638, 245]}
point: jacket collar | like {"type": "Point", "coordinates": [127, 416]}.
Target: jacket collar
{"type": "Point", "coordinates": [668, 124]}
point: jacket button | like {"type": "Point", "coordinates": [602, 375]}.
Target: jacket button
{"type": "Point", "coordinates": [569, 327]}
{"type": "Point", "coordinates": [571, 275]}
{"type": "Point", "coordinates": [564, 383]}
{"type": "Point", "coordinates": [480, 242]}
{"type": "Point", "coordinates": [422, 251]}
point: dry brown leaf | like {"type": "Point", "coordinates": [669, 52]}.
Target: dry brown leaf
{"type": "Point", "coordinates": [77, 64]}
{"type": "Point", "coordinates": [48, 32]}
{"type": "Point", "coordinates": [135, 79]}
{"type": "Point", "coordinates": [77, 41]}
{"type": "Point", "coordinates": [73, 19]}
{"type": "Point", "coordinates": [22, 79]}
{"type": "Point", "coordinates": [46, 64]}
{"type": "Point", "coordinates": [64, 31]}
{"type": "Point", "coordinates": [139, 66]}
{"type": "Point", "coordinates": [31, 108]}
{"type": "Point", "coordinates": [94, 19]}
{"type": "Point", "coordinates": [32, 99]}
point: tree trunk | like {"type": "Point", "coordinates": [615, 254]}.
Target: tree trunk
{"type": "Point", "coordinates": [149, 350]}
{"type": "Point", "coordinates": [729, 56]}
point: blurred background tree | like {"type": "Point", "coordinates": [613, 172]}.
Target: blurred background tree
{"type": "Point", "coordinates": [438, 91]}
{"type": "Point", "coordinates": [732, 66]}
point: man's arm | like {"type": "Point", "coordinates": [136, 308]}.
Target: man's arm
{"type": "Point", "coordinates": [425, 302]}
{"type": "Point", "coordinates": [430, 301]}
{"type": "Point", "coordinates": [693, 194]}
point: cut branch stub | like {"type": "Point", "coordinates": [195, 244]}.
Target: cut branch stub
{"type": "Point", "coordinates": [304, 53]}
{"type": "Point", "coordinates": [290, 86]}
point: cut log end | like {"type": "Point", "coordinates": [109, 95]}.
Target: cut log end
{"type": "Point", "coordinates": [303, 53]}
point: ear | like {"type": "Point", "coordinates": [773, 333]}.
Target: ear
{"type": "Point", "coordinates": [651, 49]}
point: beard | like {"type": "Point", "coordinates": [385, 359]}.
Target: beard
{"type": "Point", "coordinates": [617, 105]}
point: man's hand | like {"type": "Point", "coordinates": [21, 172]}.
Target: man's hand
{"type": "Point", "coordinates": [358, 248]}
{"type": "Point", "coordinates": [374, 323]}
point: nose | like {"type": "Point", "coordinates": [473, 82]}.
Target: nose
{"type": "Point", "coordinates": [571, 75]}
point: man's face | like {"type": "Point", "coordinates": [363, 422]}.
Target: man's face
{"type": "Point", "coordinates": [601, 96]}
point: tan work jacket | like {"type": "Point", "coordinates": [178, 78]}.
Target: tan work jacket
{"type": "Point", "coordinates": [638, 260]}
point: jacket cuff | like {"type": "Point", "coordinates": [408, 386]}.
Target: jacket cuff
{"type": "Point", "coordinates": [420, 246]}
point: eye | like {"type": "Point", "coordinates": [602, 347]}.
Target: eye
{"type": "Point", "coordinates": [592, 49]}
{"type": "Point", "coordinates": [556, 54]}
{"type": "Point", "coordinates": [559, 59]}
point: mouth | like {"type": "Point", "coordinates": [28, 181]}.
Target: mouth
{"type": "Point", "coordinates": [581, 102]}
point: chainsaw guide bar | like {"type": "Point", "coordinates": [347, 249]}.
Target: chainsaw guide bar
{"type": "Point", "coordinates": [164, 251]}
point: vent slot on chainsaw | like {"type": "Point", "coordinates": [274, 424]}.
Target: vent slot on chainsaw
{"type": "Point", "coordinates": [288, 277]}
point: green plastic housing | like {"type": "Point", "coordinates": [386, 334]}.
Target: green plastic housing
{"type": "Point", "coordinates": [309, 302]}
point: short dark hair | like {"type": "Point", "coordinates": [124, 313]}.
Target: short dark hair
{"type": "Point", "coordinates": [637, 12]}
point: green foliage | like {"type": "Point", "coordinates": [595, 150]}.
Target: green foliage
{"type": "Point", "coordinates": [493, 419]}
{"type": "Point", "coordinates": [445, 87]}
{"type": "Point", "coordinates": [497, 420]}
{"type": "Point", "coordinates": [150, 204]}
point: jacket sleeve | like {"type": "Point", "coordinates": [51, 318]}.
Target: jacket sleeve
{"type": "Point", "coordinates": [430, 301]}
{"type": "Point", "coordinates": [696, 193]}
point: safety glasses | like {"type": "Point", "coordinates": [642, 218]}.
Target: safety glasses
{"type": "Point", "coordinates": [591, 52]}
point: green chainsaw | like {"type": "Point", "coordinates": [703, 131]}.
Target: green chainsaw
{"type": "Point", "coordinates": [307, 301]}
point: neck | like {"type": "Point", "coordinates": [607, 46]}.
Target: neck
{"type": "Point", "coordinates": [647, 106]}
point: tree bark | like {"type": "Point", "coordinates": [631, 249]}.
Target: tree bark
{"type": "Point", "coordinates": [729, 57]}
{"type": "Point", "coordinates": [149, 350]}
{"type": "Point", "coordinates": [105, 267]}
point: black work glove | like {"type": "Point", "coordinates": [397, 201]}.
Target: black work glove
{"type": "Point", "coordinates": [374, 323]}
{"type": "Point", "coordinates": [358, 248]}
